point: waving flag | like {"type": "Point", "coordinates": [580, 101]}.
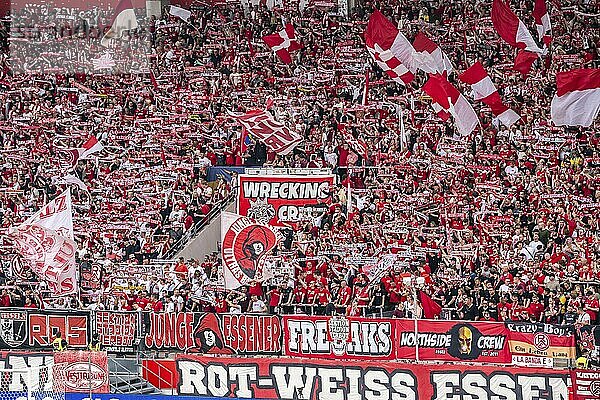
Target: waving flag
{"type": "Point", "coordinates": [431, 308]}
{"type": "Point", "coordinates": [123, 20]}
{"type": "Point", "coordinates": [577, 99]}
{"type": "Point", "coordinates": [511, 28]}
{"type": "Point", "coordinates": [485, 91]}
{"type": "Point", "coordinates": [358, 145]}
{"type": "Point", "coordinates": [390, 49]}
{"type": "Point", "coordinates": [45, 241]}
{"type": "Point", "coordinates": [283, 43]}
{"type": "Point", "coordinates": [542, 21]}
{"type": "Point", "coordinates": [450, 100]}
{"type": "Point", "coordinates": [432, 55]}
{"type": "Point", "coordinates": [91, 146]}
{"type": "Point", "coordinates": [180, 12]}
{"type": "Point", "coordinates": [262, 126]}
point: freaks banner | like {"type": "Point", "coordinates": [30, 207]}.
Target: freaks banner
{"type": "Point", "coordinates": [347, 338]}
{"type": "Point", "coordinates": [293, 378]}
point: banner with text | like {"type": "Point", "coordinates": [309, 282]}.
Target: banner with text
{"type": "Point", "coordinates": [453, 341]}
{"type": "Point", "coordinates": [586, 385]}
{"type": "Point", "coordinates": [289, 378]}
{"type": "Point", "coordinates": [214, 334]}
{"type": "Point", "coordinates": [81, 371]}
{"type": "Point", "coordinates": [331, 337]}
{"type": "Point", "coordinates": [283, 199]}
{"type": "Point", "coordinates": [544, 341]}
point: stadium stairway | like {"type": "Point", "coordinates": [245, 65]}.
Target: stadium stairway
{"type": "Point", "coordinates": [202, 238]}
{"type": "Point", "coordinates": [125, 377]}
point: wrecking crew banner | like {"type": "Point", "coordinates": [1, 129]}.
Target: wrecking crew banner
{"type": "Point", "coordinates": [289, 378]}
{"type": "Point", "coordinates": [283, 199]}
{"type": "Point", "coordinates": [454, 341]}
{"type": "Point", "coordinates": [339, 337]}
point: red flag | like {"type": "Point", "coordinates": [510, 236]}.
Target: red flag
{"type": "Point", "coordinates": [577, 99]}
{"type": "Point", "coordinates": [510, 28]}
{"type": "Point", "coordinates": [542, 21]}
{"type": "Point", "coordinates": [390, 49]}
{"type": "Point", "coordinates": [485, 91]}
{"type": "Point", "coordinates": [453, 102]}
{"type": "Point", "coordinates": [283, 43]}
{"type": "Point", "coordinates": [431, 308]}
{"type": "Point", "coordinates": [524, 61]}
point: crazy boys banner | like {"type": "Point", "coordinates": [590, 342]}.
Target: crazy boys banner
{"type": "Point", "coordinates": [339, 337]}
{"type": "Point", "coordinates": [214, 334]}
{"type": "Point", "coordinates": [453, 341]}
{"type": "Point", "coordinates": [245, 244]}
{"type": "Point", "coordinates": [289, 378]}
{"type": "Point", "coordinates": [541, 340]}
{"type": "Point", "coordinates": [283, 199]}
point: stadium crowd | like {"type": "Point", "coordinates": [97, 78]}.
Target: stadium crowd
{"type": "Point", "coordinates": [502, 224]}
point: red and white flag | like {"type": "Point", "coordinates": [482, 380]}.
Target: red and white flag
{"type": "Point", "coordinates": [91, 146]}
{"type": "Point", "coordinates": [245, 245]}
{"type": "Point", "coordinates": [450, 100]}
{"type": "Point", "coordinates": [262, 126]}
{"type": "Point", "coordinates": [577, 99]}
{"type": "Point", "coordinates": [124, 19]}
{"type": "Point", "coordinates": [485, 91]}
{"type": "Point", "coordinates": [524, 61]}
{"type": "Point", "coordinates": [390, 49]}
{"type": "Point", "coordinates": [511, 28]}
{"type": "Point", "coordinates": [283, 43]}
{"type": "Point", "coordinates": [356, 144]}
{"type": "Point", "coordinates": [56, 215]}
{"type": "Point", "coordinates": [432, 55]}
{"type": "Point", "coordinates": [542, 21]}
{"type": "Point", "coordinates": [45, 241]}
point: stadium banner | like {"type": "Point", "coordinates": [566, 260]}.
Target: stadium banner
{"type": "Point", "coordinates": [586, 385]}
{"type": "Point", "coordinates": [81, 371]}
{"type": "Point", "coordinates": [117, 331]}
{"type": "Point", "coordinates": [453, 341]}
{"type": "Point", "coordinates": [209, 333]}
{"type": "Point", "coordinates": [294, 378]}
{"type": "Point", "coordinates": [333, 337]}
{"type": "Point", "coordinates": [283, 199]}
{"type": "Point", "coordinates": [541, 340]}
{"type": "Point", "coordinates": [36, 329]}
{"type": "Point", "coordinates": [588, 339]}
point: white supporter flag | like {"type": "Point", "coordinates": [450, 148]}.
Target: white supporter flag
{"type": "Point", "coordinates": [57, 215]}
{"type": "Point", "coordinates": [577, 99]}
{"type": "Point", "coordinates": [180, 12]}
{"type": "Point", "coordinates": [124, 20]}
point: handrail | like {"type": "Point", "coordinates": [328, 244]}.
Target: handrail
{"type": "Point", "coordinates": [196, 228]}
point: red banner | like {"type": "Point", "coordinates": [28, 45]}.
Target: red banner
{"type": "Point", "coordinates": [339, 337]}
{"type": "Point", "coordinates": [453, 340]}
{"type": "Point", "coordinates": [541, 340]}
{"type": "Point", "coordinates": [214, 334]}
{"type": "Point", "coordinates": [283, 199]}
{"type": "Point", "coordinates": [289, 378]}
{"type": "Point", "coordinates": [81, 371]}
{"type": "Point", "coordinates": [586, 385]}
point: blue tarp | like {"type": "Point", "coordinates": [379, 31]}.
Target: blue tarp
{"type": "Point", "coordinates": [213, 172]}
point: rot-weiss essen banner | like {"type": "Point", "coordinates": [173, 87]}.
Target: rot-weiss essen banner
{"type": "Point", "coordinates": [81, 371]}
{"type": "Point", "coordinates": [586, 385]}
{"type": "Point", "coordinates": [454, 341]}
{"type": "Point", "coordinates": [283, 199]}
{"type": "Point", "coordinates": [292, 378]}
{"type": "Point", "coordinates": [339, 337]}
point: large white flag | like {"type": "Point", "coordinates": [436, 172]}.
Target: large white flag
{"type": "Point", "coordinates": [45, 241]}
{"type": "Point", "coordinates": [124, 19]}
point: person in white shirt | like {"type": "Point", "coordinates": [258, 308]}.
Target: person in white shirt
{"type": "Point", "coordinates": [257, 305]}
{"type": "Point", "coordinates": [583, 318]}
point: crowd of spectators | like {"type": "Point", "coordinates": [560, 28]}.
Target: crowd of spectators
{"type": "Point", "coordinates": [502, 224]}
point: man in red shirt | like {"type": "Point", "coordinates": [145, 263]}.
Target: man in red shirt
{"type": "Point", "coordinates": [343, 297]}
